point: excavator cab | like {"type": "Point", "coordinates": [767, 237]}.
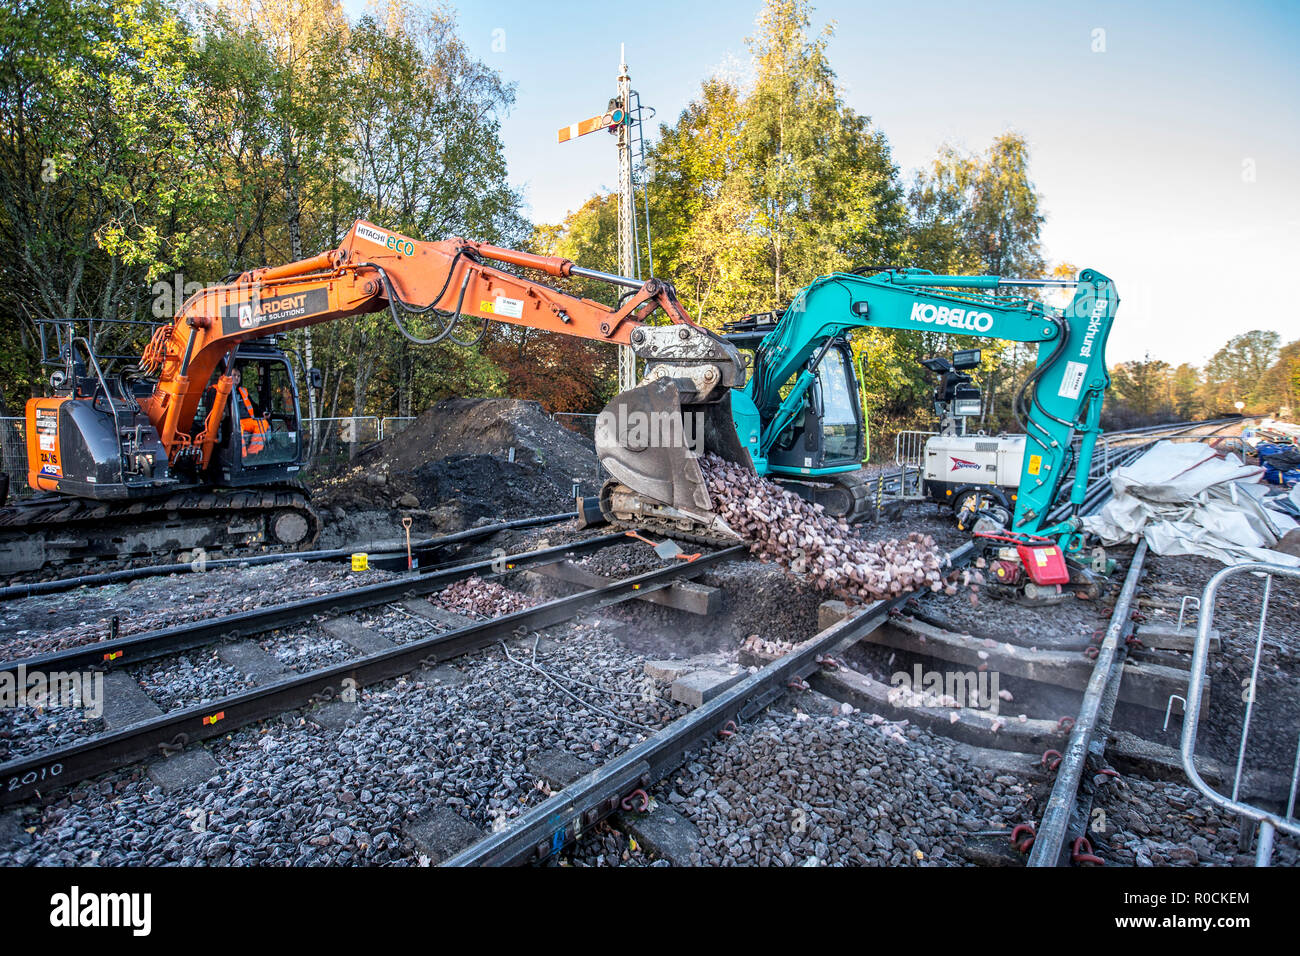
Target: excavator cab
{"type": "Point", "coordinates": [260, 440]}
{"type": "Point", "coordinates": [828, 433]}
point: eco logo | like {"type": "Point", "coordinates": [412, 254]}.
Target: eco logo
{"type": "Point", "coordinates": [405, 246]}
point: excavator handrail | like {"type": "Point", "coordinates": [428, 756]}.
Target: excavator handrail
{"type": "Point", "coordinates": [108, 396]}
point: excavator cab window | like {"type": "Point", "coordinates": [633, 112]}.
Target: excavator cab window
{"type": "Point", "coordinates": [841, 422]}
{"type": "Point", "coordinates": [265, 411]}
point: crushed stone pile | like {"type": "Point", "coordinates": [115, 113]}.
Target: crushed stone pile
{"type": "Point", "coordinates": [468, 460]}
{"type": "Point", "coordinates": [782, 527]}
{"type": "Point", "coordinates": [475, 597]}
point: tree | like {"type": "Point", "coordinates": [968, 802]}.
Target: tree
{"type": "Point", "coordinates": [1235, 372]}
{"type": "Point", "coordinates": [1186, 387]}
{"type": "Point", "coordinates": [978, 214]}
{"type": "Point", "coordinates": [1140, 393]}
{"type": "Point", "coordinates": [96, 196]}
{"type": "Point", "coordinates": [563, 373]}
{"type": "Point", "coordinates": [819, 180]}
{"type": "Point", "coordinates": [1279, 386]}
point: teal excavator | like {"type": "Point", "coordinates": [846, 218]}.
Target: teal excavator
{"type": "Point", "coordinates": [796, 417]}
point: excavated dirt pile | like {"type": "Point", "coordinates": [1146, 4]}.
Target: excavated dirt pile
{"type": "Point", "coordinates": [780, 526]}
{"type": "Point", "coordinates": [466, 460]}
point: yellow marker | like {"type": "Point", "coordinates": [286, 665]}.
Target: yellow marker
{"type": "Point", "coordinates": [360, 561]}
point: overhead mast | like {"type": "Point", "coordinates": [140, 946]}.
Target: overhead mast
{"type": "Point", "coordinates": [627, 258]}
{"type": "Point", "coordinates": [619, 118]}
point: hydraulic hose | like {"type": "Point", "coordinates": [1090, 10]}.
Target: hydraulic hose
{"type": "Point", "coordinates": [398, 306]}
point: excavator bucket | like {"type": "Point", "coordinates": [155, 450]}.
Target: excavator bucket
{"type": "Point", "coordinates": [650, 444]}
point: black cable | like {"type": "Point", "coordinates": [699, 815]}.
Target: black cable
{"type": "Point", "coordinates": [477, 340]}
{"type": "Point", "coordinates": [395, 302]}
{"type": "Point", "coordinates": [1020, 407]}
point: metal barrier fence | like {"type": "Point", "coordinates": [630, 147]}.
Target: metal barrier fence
{"type": "Point", "coordinates": [909, 448]}
{"type": "Point", "coordinates": [356, 429]}
{"type": "Point", "coordinates": [1269, 822]}
{"type": "Point", "coordinates": [1100, 456]}
{"type": "Point", "coordinates": [13, 455]}
{"type": "Point", "coordinates": [392, 425]}
{"type": "Point", "coordinates": [349, 430]}
{"type": "Point", "coordinates": [583, 423]}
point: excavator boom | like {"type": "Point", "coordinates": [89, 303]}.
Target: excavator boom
{"type": "Point", "coordinates": [176, 454]}
{"type": "Point", "coordinates": [373, 269]}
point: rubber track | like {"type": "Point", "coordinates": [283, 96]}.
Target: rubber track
{"type": "Point", "coordinates": [62, 517]}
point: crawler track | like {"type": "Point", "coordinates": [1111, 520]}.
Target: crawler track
{"type": "Point", "coordinates": [73, 534]}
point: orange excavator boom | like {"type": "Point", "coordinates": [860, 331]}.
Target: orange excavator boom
{"type": "Point", "coordinates": [374, 269]}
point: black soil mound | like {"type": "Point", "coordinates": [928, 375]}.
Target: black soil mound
{"type": "Point", "coordinates": [468, 460]}
{"type": "Point", "coordinates": [481, 486]}
{"type": "Point", "coordinates": [487, 426]}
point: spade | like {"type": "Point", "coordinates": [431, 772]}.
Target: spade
{"type": "Point", "coordinates": [666, 549]}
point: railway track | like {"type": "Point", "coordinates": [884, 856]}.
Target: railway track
{"type": "Point", "coordinates": [422, 552]}
{"type": "Point", "coordinates": [1094, 666]}
{"type": "Point", "coordinates": [539, 833]}
{"type": "Point", "coordinates": [169, 733]}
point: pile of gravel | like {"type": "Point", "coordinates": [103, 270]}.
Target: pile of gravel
{"type": "Point", "coordinates": [54, 622]}
{"type": "Point", "coordinates": [289, 791]}
{"type": "Point", "coordinates": [798, 535]}
{"type": "Point", "coordinates": [189, 679]}
{"type": "Point", "coordinates": [475, 597]}
{"type": "Point", "coordinates": [1161, 823]}
{"type": "Point", "coordinates": [30, 730]}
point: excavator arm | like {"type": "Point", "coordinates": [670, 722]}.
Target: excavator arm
{"type": "Point", "coordinates": [372, 270]}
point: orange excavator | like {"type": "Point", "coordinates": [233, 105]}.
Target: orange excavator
{"type": "Point", "coordinates": [199, 443]}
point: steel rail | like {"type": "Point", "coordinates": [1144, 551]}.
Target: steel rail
{"type": "Point", "coordinates": [149, 645]}
{"type": "Point", "coordinates": [548, 827]}
{"type": "Point", "coordinates": [18, 591]}
{"type": "Point", "coordinates": [1049, 838]}
{"type": "Point", "coordinates": [30, 776]}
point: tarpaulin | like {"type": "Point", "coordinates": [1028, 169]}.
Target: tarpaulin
{"type": "Point", "coordinates": [1185, 498]}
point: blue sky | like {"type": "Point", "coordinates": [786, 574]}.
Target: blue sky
{"type": "Point", "coordinates": [1170, 161]}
